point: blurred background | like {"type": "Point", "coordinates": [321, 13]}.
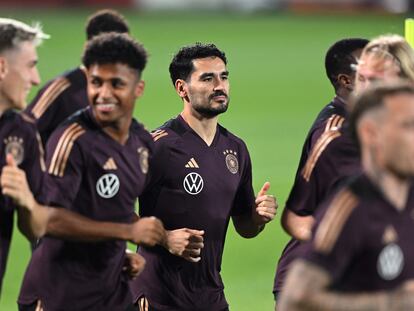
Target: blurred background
{"type": "Point", "coordinates": [276, 52]}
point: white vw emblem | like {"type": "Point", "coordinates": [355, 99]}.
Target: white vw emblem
{"type": "Point", "coordinates": [193, 183]}
{"type": "Point", "coordinates": [107, 186]}
{"type": "Point", "coordinates": [390, 262]}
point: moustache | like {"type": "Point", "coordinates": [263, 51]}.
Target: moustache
{"type": "Point", "coordinates": [218, 93]}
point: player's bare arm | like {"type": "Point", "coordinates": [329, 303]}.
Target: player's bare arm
{"type": "Point", "coordinates": [307, 289]}
{"type": "Point", "coordinates": [32, 217]}
{"type": "Point", "coordinates": [186, 243]}
{"type": "Point", "coordinates": [263, 212]}
{"type": "Point", "coordinates": [35, 220]}
{"type": "Point", "coordinates": [299, 227]}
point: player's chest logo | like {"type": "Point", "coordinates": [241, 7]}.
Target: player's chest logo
{"type": "Point", "coordinates": [390, 262]}
{"type": "Point", "coordinates": [14, 146]}
{"type": "Point", "coordinates": [193, 183]}
{"type": "Point", "coordinates": [107, 186]}
{"type": "Point", "coordinates": [231, 161]}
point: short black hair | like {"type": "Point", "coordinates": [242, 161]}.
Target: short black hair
{"type": "Point", "coordinates": [105, 21]}
{"type": "Point", "coordinates": [373, 98]}
{"type": "Point", "coordinates": [182, 63]}
{"type": "Point", "coordinates": [339, 59]}
{"type": "Point", "coordinates": [112, 48]}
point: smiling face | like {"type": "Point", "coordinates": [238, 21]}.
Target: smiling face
{"type": "Point", "coordinates": [112, 91]}
{"type": "Point", "coordinates": [19, 74]}
{"type": "Point", "coordinates": [207, 88]}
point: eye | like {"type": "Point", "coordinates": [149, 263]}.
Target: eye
{"type": "Point", "coordinates": [117, 83]}
{"type": "Point", "coordinates": [207, 79]}
{"type": "Point", "coordinates": [225, 77]}
{"type": "Point", "coordinates": [95, 82]}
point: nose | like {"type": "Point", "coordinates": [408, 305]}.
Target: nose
{"type": "Point", "coordinates": [35, 77]}
{"type": "Point", "coordinates": [105, 91]}
{"type": "Point", "coordinates": [219, 84]}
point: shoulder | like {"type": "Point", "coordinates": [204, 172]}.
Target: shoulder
{"type": "Point", "coordinates": [232, 137]}
{"type": "Point", "coordinates": [168, 133]}
{"type": "Point", "coordinates": [346, 210]}
{"type": "Point", "coordinates": [138, 130]}
{"type": "Point", "coordinates": [20, 122]}
{"type": "Point", "coordinates": [73, 128]}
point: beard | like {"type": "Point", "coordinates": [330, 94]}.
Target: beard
{"type": "Point", "coordinates": [209, 111]}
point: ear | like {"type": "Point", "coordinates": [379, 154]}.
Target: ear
{"type": "Point", "coordinates": [345, 81]}
{"type": "Point", "coordinates": [139, 88]}
{"type": "Point", "coordinates": [3, 68]}
{"type": "Point", "coordinates": [181, 88]}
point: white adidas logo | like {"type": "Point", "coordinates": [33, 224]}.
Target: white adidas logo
{"type": "Point", "coordinates": [192, 164]}
{"type": "Point", "coordinates": [110, 165]}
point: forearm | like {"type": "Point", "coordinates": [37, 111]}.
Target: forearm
{"type": "Point", "coordinates": [246, 226]}
{"type": "Point", "coordinates": [386, 301]}
{"type": "Point", "coordinates": [33, 222]}
{"type": "Point", "coordinates": [306, 288]}
{"type": "Point", "coordinates": [299, 227]}
{"type": "Point", "coordinates": [72, 226]}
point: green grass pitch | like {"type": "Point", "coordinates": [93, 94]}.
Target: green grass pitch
{"type": "Point", "coordinates": [278, 85]}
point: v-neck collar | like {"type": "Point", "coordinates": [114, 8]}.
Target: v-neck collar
{"type": "Point", "coordinates": [190, 129]}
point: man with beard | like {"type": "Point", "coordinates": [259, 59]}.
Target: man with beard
{"type": "Point", "coordinates": [360, 256]}
{"type": "Point", "coordinates": [200, 177]}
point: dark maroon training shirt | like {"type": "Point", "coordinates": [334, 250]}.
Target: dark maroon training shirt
{"type": "Point", "coordinates": [57, 100]}
{"type": "Point", "coordinates": [362, 240]}
{"type": "Point", "coordinates": [19, 137]}
{"type": "Point", "coordinates": [329, 157]}
{"type": "Point", "coordinates": [93, 175]}
{"type": "Point", "coordinates": [192, 185]}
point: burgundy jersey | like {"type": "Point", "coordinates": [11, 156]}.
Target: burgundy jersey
{"type": "Point", "coordinates": [362, 240]}
{"type": "Point", "coordinates": [57, 100]}
{"type": "Point", "coordinates": [329, 157]}
{"type": "Point", "coordinates": [192, 185]}
{"type": "Point", "coordinates": [93, 175]}
{"type": "Point", "coordinates": [18, 137]}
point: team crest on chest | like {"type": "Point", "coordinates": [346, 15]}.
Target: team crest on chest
{"type": "Point", "coordinates": [107, 186]}
{"type": "Point", "coordinates": [14, 146]}
{"type": "Point", "coordinates": [143, 159]}
{"type": "Point", "coordinates": [231, 161]}
{"type": "Point", "coordinates": [390, 262]}
{"type": "Point", "coordinates": [193, 183]}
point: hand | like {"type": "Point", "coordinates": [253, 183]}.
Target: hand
{"type": "Point", "coordinates": [134, 264]}
{"type": "Point", "coordinates": [148, 231]}
{"type": "Point", "coordinates": [266, 206]}
{"type": "Point", "coordinates": [14, 184]}
{"type": "Point", "coordinates": [186, 243]}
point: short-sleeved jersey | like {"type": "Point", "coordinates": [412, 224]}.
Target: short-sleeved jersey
{"type": "Point", "coordinates": [329, 157]}
{"type": "Point", "coordinates": [362, 240]}
{"type": "Point", "coordinates": [18, 137]}
{"type": "Point", "coordinates": [93, 175]}
{"type": "Point", "coordinates": [57, 100]}
{"type": "Point", "coordinates": [192, 185]}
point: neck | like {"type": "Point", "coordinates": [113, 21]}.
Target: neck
{"type": "Point", "coordinates": [205, 127]}
{"type": "Point", "coordinates": [117, 131]}
{"type": "Point", "coordinates": [343, 94]}
{"type": "Point", "coordinates": [393, 187]}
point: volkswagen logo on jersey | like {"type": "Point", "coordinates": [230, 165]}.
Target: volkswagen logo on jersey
{"type": "Point", "coordinates": [193, 183]}
{"type": "Point", "coordinates": [390, 262]}
{"type": "Point", "coordinates": [107, 186]}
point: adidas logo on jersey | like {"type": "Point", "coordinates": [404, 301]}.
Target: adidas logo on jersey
{"type": "Point", "coordinates": [192, 164]}
{"type": "Point", "coordinates": [110, 164]}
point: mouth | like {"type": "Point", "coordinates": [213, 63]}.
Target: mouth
{"type": "Point", "coordinates": [219, 98]}
{"type": "Point", "coordinates": [107, 107]}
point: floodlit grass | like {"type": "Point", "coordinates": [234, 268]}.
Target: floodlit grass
{"type": "Point", "coordinates": [278, 85]}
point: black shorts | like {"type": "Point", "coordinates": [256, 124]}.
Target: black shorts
{"type": "Point", "coordinates": [142, 304]}
{"type": "Point", "coordinates": [37, 306]}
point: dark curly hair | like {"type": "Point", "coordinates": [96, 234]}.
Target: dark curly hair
{"type": "Point", "coordinates": [105, 21]}
{"type": "Point", "coordinates": [182, 64]}
{"type": "Point", "coordinates": [112, 48]}
{"type": "Point", "coordinates": [339, 59]}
